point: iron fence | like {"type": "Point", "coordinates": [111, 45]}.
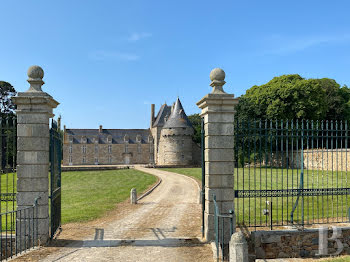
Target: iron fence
{"type": "Point", "coordinates": [222, 223]}
{"type": "Point", "coordinates": [8, 151]}
{"type": "Point", "coordinates": [19, 231]}
{"type": "Point", "coordinates": [291, 172]}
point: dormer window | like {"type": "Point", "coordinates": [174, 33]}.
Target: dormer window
{"type": "Point", "coordinates": [109, 139]}
{"type": "Point", "coordinates": [70, 139]}
{"type": "Point", "coordinates": [150, 139]}
{"type": "Point", "coordinates": [138, 138]}
{"type": "Point", "coordinates": [83, 139]}
{"type": "Point", "coordinates": [126, 139]}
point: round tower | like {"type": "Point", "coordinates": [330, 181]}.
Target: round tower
{"type": "Point", "coordinates": [176, 138]}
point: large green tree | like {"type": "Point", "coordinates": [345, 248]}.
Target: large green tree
{"type": "Point", "coordinates": [7, 107]}
{"type": "Point", "coordinates": [195, 120]}
{"type": "Point", "coordinates": [293, 97]}
{"type": "Point", "coordinates": [7, 127]}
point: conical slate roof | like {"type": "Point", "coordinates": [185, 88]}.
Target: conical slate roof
{"type": "Point", "coordinates": [178, 117]}
{"type": "Point", "coordinates": [164, 112]}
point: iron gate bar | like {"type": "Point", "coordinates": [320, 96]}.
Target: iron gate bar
{"type": "Point", "coordinates": [276, 149]}
{"type": "Point", "coordinates": [55, 177]}
{"type": "Point", "coordinates": [203, 172]}
{"type": "Point", "coordinates": [292, 192]}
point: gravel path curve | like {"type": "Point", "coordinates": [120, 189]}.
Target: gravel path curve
{"type": "Point", "coordinates": [166, 227]}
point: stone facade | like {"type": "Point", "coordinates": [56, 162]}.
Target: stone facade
{"type": "Point", "coordinates": [175, 142]}
{"type": "Point", "coordinates": [107, 146]}
{"type": "Point", "coordinates": [155, 145]}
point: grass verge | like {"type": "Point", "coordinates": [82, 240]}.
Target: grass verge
{"type": "Point", "coordinates": [87, 195]}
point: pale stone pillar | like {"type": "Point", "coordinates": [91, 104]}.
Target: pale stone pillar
{"type": "Point", "coordinates": [34, 109]}
{"type": "Point", "coordinates": [218, 110]}
{"type": "Point", "coordinates": [238, 248]}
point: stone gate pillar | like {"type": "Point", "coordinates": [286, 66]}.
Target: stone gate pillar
{"type": "Point", "coordinates": [34, 109]}
{"type": "Point", "coordinates": [218, 109]}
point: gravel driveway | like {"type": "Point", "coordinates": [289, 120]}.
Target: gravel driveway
{"type": "Point", "coordinates": [165, 227]}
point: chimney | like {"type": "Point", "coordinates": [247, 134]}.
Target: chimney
{"type": "Point", "coordinates": [152, 115]}
{"type": "Point", "coordinates": [64, 133]}
{"type": "Point", "coordinates": [100, 129]}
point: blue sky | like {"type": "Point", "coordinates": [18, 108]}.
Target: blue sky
{"type": "Point", "coordinates": [107, 61]}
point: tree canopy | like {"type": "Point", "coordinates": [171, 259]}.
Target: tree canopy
{"type": "Point", "coordinates": [294, 97]}
{"type": "Point", "coordinates": [195, 120]}
{"type": "Point", "coordinates": [6, 92]}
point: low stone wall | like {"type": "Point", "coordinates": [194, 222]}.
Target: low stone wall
{"type": "Point", "coordinates": [94, 168]}
{"type": "Point", "coordinates": [315, 159]}
{"type": "Point", "coordinates": [293, 243]}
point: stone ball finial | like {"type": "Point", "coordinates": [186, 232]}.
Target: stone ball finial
{"type": "Point", "coordinates": [217, 74]}
{"type": "Point", "coordinates": [35, 72]}
{"type": "Point", "coordinates": [35, 78]}
{"type": "Point", "coordinates": [217, 77]}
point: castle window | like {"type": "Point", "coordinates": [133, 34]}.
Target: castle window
{"type": "Point", "coordinates": [70, 149]}
{"type": "Point", "coordinates": [96, 161]}
{"type": "Point", "coordinates": [109, 149]}
{"type": "Point", "coordinates": [83, 149]}
{"type": "Point", "coordinates": [138, 138]}
{"type": "Point", "coordinates": [126, 149]}
{"type": "Point", "coordinates": [139, 148]}
{"type": "Point", "coordinates": [83, 139]}
{"type": "Point", "coordinates": [110, 159]}
{"type": "Point", "coordinates": [182, 157]}
{"type": "Point", "coordinates": [70, 160]}
{"type": "Point", "coordinates": [96, 149]}
{"type": "Point", "coordinates": [84, 159]}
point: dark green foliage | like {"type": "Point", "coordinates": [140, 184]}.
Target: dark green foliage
{"type": "Point", "coordinates": [6, 92]}
{"type": "Point", "coordinates": [195, 120]}
{"type": "Point", "coordinates": [8, 128]}
{"type": "Point", "coordinates": [293, 97]}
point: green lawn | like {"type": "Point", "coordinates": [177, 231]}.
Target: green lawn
{"type": "Point", "coordinates": [192, 172]}
{"type": "Point", "coordinates": [315, 208]}
{"type": "Point", "coordinates": [87, 195]}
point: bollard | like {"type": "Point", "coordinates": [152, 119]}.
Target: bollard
{"type": "Point", "coordinates": [238, 248]}
{"type": "Point", "coordinates": [133, 196]}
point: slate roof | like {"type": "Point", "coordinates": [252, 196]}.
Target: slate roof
{"type": "Point", "coordinates": [116, 134]}
{"type": "Point", "coordinates": [164, 111]}
{"type": "Point", "coordinates": [178, 117]}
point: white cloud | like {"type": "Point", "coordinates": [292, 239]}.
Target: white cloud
{"type": "Point", "coordinates": [281, 45]}
{"type": "Point", "coordinates": [138, 36]}
{"type": "Point", "coordinates": [113, 55]}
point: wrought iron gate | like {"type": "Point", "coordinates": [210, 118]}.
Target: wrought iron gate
{"type": "Point", "coordinates": [203, 173]}
{"type": "Point", "coordinates": [55, 177]}
{"type": "Point", "coordinates": [291, 172]}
